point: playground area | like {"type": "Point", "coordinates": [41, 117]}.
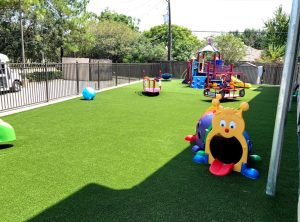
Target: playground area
{"type": "Point", "coordinates": [209, 72]}
{"type": "Point", "coordinates": [123, 157]}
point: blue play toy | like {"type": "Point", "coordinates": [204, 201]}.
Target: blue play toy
{"type": "Point", "coordinates": [88, 93]}
{"type": "Point", "coordinates": [166, 76]}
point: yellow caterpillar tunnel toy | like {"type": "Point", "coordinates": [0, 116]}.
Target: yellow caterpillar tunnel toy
{"type": "Point", "coordinates": [221, 141]}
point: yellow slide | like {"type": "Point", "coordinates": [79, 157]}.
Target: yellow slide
{"type": "Point", "coordinates": [239, 83]}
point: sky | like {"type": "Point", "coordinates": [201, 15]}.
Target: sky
{"type": "Point", "coordinates": [197, 15]}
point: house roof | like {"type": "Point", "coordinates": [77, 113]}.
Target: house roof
{"type": "Point", "coordinates": [252, 54]}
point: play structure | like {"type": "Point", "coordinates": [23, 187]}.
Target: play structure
{"type": "Point", "coordinates": [7, 132]}
{"type": "Point", "coordinates": [88, 93]}
{"type": "Point", "coordinates": [208, 72]}
{"type": "Point", "coordinates": [151, 86]}
{"type": "Point", "coordinates": [221, 141]}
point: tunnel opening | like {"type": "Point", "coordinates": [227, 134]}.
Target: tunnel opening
{"type": "Point", "coordinates": [226, 150]}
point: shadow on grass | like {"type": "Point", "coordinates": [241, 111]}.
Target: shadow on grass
{"type": "Point", "coordinates": [88, 100]}
{"type": "Point", "coordinates": [5, 146]}
{"type": "Point", "coordinates": [185, 85]}
{"type": "Point", "coordinates": [184, 191]}
{"type": "Point", "coordinates": [227, 100]}
{"type": "Point", "coordinates": [150, 94]}
{"type": "Point", "coordinates": [141, 93]}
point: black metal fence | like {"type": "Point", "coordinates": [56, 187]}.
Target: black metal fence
{"type": "Point", "coordinates": [28, 84]}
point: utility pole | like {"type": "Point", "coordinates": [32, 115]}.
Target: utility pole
{"type": "Point", "coordinates": [22, 37]}
{"type": "Point", "coordinates": [169, 36]}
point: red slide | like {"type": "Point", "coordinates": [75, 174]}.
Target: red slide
{"type": "Point", "coordinates": [220, 169]}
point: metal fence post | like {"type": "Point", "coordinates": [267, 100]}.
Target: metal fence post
{"type": "Point", "coordinates": [98, 76]}
{"type": "Point", "coordinates": [77, 77]}
{"type": "Point", "coordinates": [117, 76]}
{"type": "Point", "coordinates": [129, 74]}
{"type": "Point", "coordinates": [47, 86]}
{"type": "Point", "coordinates": [90, 72]}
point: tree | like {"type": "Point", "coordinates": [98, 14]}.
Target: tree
{"type": "Point", "coordinates": [9, 4]}
{"type": "Point", "coordinates": [119, 42]}
{"type": "Point", "coordinates": [49, 27]}
{"type": "Point", "coordinates": [184, 42]}
{"type": "Point", "coordinates": [276, 29]}
{"type": "Point", "coordinates": [10, 43]}
{"type": "Point", "coordinates": [251, 37]}
{"type": "Point", "coordinates": [108, 15]}
{"type": "Point", "coordinates": [112, 40]}
{"type": "Point", "coordinates": [70, 21]}
{"type": "Point", "coordinates": [144, 51]}
{"type": "Point", "coordinates": [273, 53]}
{"type": "Point", "coordinates": [231, 47]}
{"type": "Point", "coordinates": [9, 35]}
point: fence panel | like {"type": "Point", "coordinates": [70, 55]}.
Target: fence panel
{"type": "Point", "coordinates": [250, 73]}
{"type": "Point", "coordinates": [272, 74]}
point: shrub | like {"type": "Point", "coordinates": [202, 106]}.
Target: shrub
{"type": "Point", "coordinates": [42, 76]}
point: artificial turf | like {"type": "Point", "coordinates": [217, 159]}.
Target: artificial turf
{"type": "Point", "coordinates": [122, 157]}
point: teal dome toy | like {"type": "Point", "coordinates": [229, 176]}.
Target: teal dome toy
{"type": "Point", "coordinates": [88, 93]}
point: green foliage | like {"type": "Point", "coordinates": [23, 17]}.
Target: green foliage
{"type": "Point", "coordinates": [276, 29]}
{"type": "Point", "coordinates": [14, 4]}
{"type": "Point", "coordinates": [112, 40]}
{"type": "Point", "coordinates": [120, 43]}
{"type": "Point", "coordinates": [77, 41]}
{"type": "Point", "coordinates": [251, 37]}
{"type": "Point", "coordinates": [9, 34]}
{"type": "Point", "coordinates": [184, 43]}
{"type": "Point", "coordinates": [43, 76]}
{"type": "Point", "coordinates": [274, 54]}
{"type": "Point", "coordinates": [143, 51]}
{"type": "Point", "coordinates": [49, 27]}
{"type": "Point", "coordinates": [272, 39]}
{"type": "Point", "coordinates": [231, 47]}
{"type": "Point", "coordinates": [8, 4]}
{"type": "Point", "coordinates": [108, 15]}
{"type": "Point", "coordinates": [56, 28]}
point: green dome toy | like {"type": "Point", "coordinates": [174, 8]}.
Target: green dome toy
{"type": "Point", "coordinates": [7, 132]}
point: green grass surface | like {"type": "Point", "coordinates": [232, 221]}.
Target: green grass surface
{"type": "Point", "coordinates": [122, 157]}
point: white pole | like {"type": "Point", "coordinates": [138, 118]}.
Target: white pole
{"type": "Point", "coordinates": [291, 55]}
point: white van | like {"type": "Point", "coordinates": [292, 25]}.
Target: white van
{"type": "Point", "coordinates": [9, 81]}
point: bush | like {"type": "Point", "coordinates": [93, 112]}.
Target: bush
{"type": "Point", "coordinates": [42, 76]}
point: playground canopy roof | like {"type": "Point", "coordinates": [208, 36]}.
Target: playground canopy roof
{"type": "Point", "coordinates": [209, 48]}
